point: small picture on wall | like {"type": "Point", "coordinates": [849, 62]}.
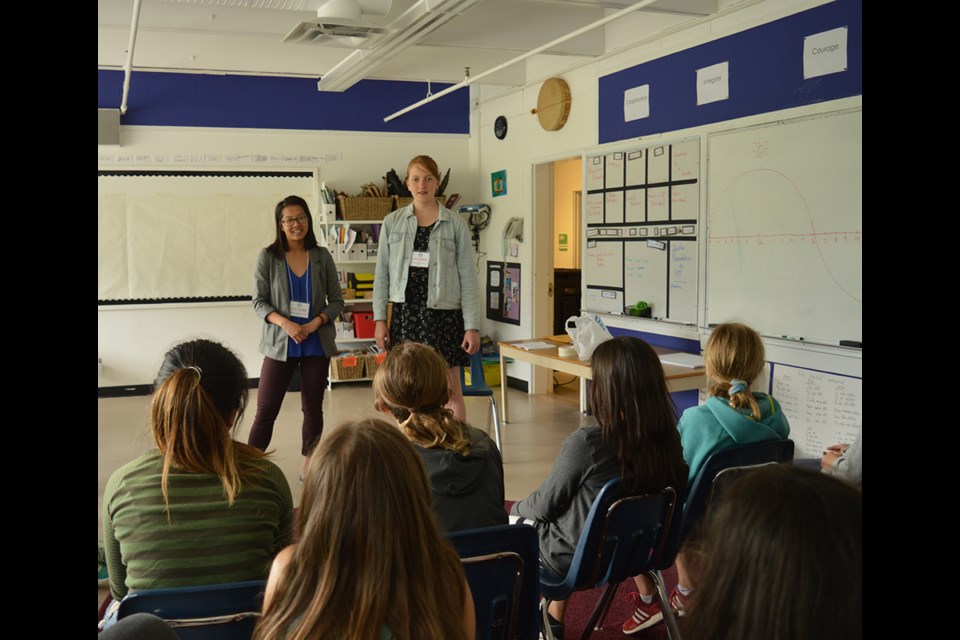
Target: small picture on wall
{"type": "Point", "coordinates": [498, 183]}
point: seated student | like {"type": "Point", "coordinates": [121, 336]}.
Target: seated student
{"type": "Point", "coordinates": [463, 463]}
{"type": "Point", "coordinates": [782, 559]}
{"type": "Point", "coordinates": [845, 461]}
{"type": "Point", "coordinates": [732, 415]}
{"type": "Point", "coordinates": [635, 438]}
{"type": "Point", "coordinates": [371, 561]}
{"type": "Point", "coordinates": [200, 508]}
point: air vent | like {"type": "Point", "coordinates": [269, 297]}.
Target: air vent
{"type": "Point", "coordinates": [316, 32]}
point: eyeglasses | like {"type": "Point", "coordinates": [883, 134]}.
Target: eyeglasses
{"type": "Point", "coordinates": [289, 222]}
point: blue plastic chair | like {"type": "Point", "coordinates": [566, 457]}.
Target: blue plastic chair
{"type": "Point", "coordinates": [501, 564]}
{"type": "Point", "coordinates": [210, 612]}
{"type": "Point", "coordinates": [479, 387]}
{"type": "Point", "coordinates": [622, 537]}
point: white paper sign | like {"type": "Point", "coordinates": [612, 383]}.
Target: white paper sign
{"type": "Point", "coordinates": [636, 103]}
{"type": "Point", "coordinates": [713, 83]}
{"type": "Point", "coordinates": [825, 53]}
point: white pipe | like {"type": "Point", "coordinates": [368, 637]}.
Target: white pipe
{"type": "Point", "coordinates": [128, 65]}
{"type": "Point", "coordinates": [540, 49]}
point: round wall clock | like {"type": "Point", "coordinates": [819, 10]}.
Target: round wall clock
{"type": "Point", "coordinates": [500, 127]}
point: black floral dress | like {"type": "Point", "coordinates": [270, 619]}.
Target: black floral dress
{"type": "Point", "coordinates": [413, 321]}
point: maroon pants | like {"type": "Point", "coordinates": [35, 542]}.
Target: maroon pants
{"type": "Point", "coordinates": [275, 377]}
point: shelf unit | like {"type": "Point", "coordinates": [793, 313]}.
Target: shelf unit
{"type": "Point", "coordinates": [326, 220]}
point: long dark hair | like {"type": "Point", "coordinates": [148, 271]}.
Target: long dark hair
{"type": "Point", "coordinates": [279, 246]}
{"type": "Point", "coordinates": [636, 414]}
{"type": "Point", "coordinates": [371, 554]}
{"type": "Point", "coordinates": [782, 560]}
{"type": "Point", "coordinates": [201, 392]}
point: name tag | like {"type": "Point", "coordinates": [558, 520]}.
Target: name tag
{"type": "Point", "coordinates": [299, 310]}
{"type": "Point", "coordinates": [420, 259]}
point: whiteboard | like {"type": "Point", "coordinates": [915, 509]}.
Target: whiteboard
{"type": "Point", "coordinates": [784, 227]}
{"type": "Point", "coordinates": [185, 235]}
{"type": "Point", "coordinates": [641, 214]}
{"type": "Point", "coordinates": [822, 408]}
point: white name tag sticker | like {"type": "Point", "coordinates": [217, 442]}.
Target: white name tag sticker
{"type": "Point", "coordinates": [299, 310]}
{"type": "Point", "coordinates": [420, 259]}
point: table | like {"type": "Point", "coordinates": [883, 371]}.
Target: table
{"type": "Point", "coordinates": [678, 378]}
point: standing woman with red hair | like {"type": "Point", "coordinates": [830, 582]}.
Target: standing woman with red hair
{"type": "Point", "coordinates": [426, 269]}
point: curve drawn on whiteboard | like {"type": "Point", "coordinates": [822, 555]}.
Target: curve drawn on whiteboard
{"type": "Point", "coordinates": [814, 234]}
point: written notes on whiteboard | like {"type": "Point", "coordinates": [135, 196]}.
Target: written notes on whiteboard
{"type": "Point", "coordinates": [823, 408]}
{"type": "Point", "coordinates": [645, 202]}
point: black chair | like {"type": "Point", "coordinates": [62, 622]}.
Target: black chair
{"type": "Point", "coordinates": [501, 566]}
{"type": "Point", "coordinates": [622, 537]}
{"type": "Point", "coordinates": [210, 612]}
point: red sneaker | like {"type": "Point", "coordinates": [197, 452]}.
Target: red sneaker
{"type": "Point", "coordinates": [679, 602]}
{"type": "Point", "coordinates": [644, 616]}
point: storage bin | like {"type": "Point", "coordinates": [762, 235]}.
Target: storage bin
{"type": "Point", "coordinates": [363, 324]}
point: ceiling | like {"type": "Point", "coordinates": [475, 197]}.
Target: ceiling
{"type": "Point", "coordinates": [247, 36]}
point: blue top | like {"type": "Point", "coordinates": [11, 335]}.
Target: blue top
{"type": "Point", "coordinates": [300, 292]}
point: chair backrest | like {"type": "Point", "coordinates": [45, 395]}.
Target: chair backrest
{"type": "Point", "coordinates": [621, 538]}
{"type": "Point", "coordinates": [493, 559]}
{"type": "Point", "coordinates": [747, 455]}
{"type": "Point", "coordinates": [478, 382]}
{"type": "Point", "coordinates": [209, 612]}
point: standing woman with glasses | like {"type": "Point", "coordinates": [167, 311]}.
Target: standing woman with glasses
{"type": "Point", "coordinates": [297, 296]}
{"type": "Point", "coordinates": [425, 267]}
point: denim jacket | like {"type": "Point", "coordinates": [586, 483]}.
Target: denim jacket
{"type": "Point", "coordinates": [452, 278]}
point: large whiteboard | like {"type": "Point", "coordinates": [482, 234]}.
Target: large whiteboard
{"type": "Point", "coordinates": [641, 215]}
{"type": "Point", "coordinates": [784, 227]}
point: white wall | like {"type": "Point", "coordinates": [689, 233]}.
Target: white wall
{"type": "Point", "coordinates": [131, 339]}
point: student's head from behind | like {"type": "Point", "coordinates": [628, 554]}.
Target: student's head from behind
{"type": "Point", "coordinates": [734, 358]}
{"type": "Point", "coordinates": [370, 553]}
{"type": "Point", "coordinates": [412, 386]}
{"type": "Point", "coordinates": [782, 560]}
{"type": "Point", "coordinates": [292, 216]}
{"type": "Point", "coordinates": [200, 394]}
{"type": "Point", "coordinates": [630, 402]}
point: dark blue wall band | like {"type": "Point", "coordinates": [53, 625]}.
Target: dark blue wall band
{"type": "Point", "coordinates": [259, 102]}
{"type": "Point", "coordinates": [765, 74]}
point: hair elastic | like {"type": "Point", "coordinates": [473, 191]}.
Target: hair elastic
{"type": "Point", "coordinates": [737, 386]}
{"type": "Point", "coordinates": [197, 369]}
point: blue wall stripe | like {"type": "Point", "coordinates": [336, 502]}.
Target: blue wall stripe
{"type": "Point", "coordinates": [765, 73]}
{"type": "Point", "coordinates": [198, 100]}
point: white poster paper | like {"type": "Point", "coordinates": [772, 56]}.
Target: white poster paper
{"type": "Point", "coordinates": [713, 83]}
{"type": "Point", "coordinates": [636, 103]}
{"type": "Point", "coordinates": [825, 53]}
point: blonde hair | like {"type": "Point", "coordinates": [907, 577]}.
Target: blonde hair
{"type": "Point", "coordinates": [412, 386]}
{"type": "Point", "coordinates": [201, 391]}
{"type": "Point", "coordinates": [735, 352]}
{"type": "Point", "coordinates": [371, 554]}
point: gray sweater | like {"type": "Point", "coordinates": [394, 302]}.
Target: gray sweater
{"type": "Point", "coordinates": [560, 506]}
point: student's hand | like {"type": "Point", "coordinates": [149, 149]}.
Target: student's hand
{"type": "Point", "coordinates": [839, 448]}
{"type": "Point", "coordinates": [471, 341]}
{"type": "Point", "coordinates": [829, 457]}
{"type": "Point", "coordinates": [381, 335]}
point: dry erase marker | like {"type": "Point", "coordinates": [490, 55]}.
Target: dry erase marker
{"type": "Point", "coordinates": [795, 338]}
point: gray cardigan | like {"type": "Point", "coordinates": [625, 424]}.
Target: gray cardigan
{"type": "Point", "coordinates": [271, 292]}
{"type": "Point", "coordinates": [560, 506]}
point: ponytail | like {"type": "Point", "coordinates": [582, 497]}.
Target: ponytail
{"type": "Point", "coordinates": [433, 428]}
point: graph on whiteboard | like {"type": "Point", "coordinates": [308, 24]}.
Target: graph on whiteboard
{"type": "Point", "coordinates": [641, 214]}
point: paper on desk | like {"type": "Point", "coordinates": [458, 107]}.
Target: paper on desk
{"type": "Point", "coordinates": [539, 344]}
{"type": "Point", "coordinates": [688, 360]}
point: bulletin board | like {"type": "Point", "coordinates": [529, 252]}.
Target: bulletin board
{"type": "Point", "coordinates": [642, 230]}
{"type": "Point", "coordinates": [503, 292]}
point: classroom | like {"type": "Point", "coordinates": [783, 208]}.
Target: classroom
{"type": "Point", "coordinates": [214, 90]}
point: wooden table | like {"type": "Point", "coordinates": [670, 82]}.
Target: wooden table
{"type": "Point", "coordinates": [678, 378]}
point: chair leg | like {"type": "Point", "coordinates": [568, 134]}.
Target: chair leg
{"type": "Point", "coordinates": [599, 611]}
{"type": "Point", "coordinates": [496, 422]}
{"type": "Point", "coordinates": [545, 631]}
{"type": "Point", "coordinates": [606, 608]}
{"type": "Point", "coordinates": [673, 631]}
